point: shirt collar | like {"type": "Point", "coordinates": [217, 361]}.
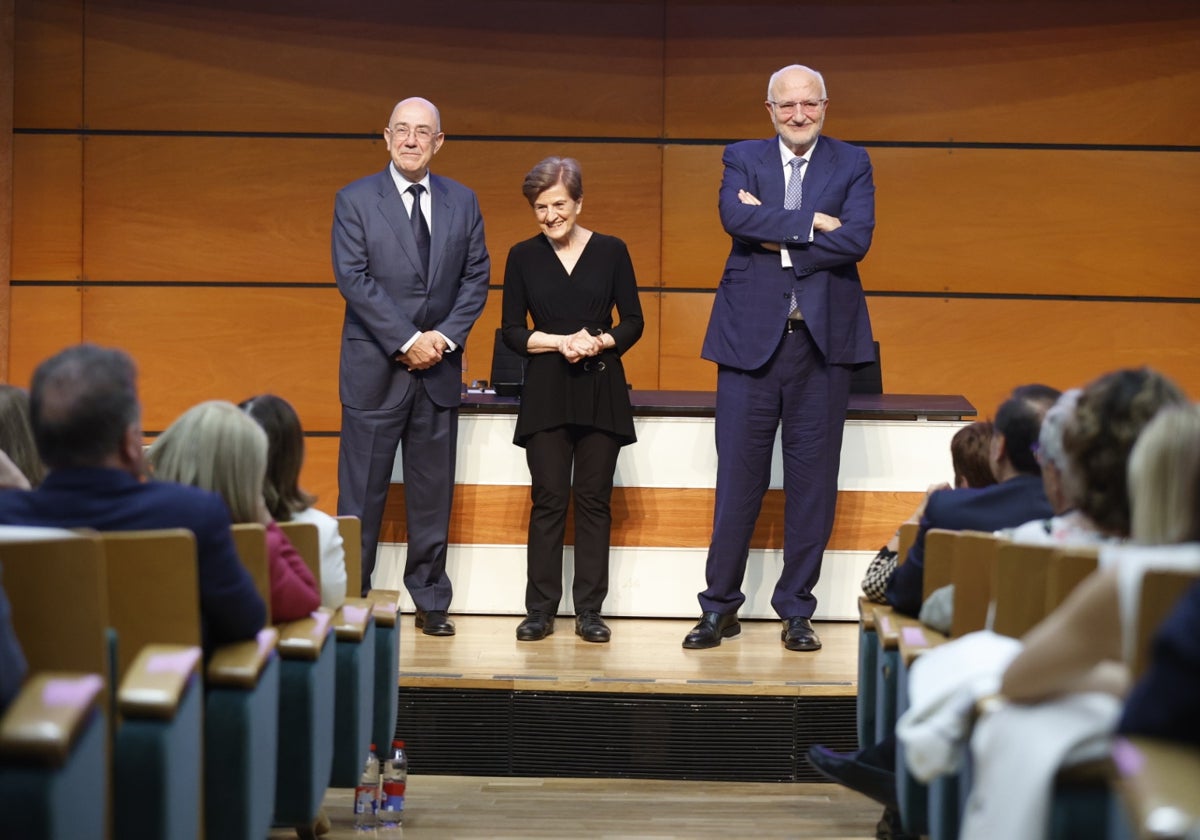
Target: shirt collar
{"type": "Point", "coordinates": [402, 183]}
{"type": "Point", "coordinates": [785, 154]}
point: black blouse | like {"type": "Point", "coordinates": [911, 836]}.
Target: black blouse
{"type": "Point", "coordinates": [593, 391]}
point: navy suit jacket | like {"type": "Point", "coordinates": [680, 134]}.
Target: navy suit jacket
{"type": "Point", "coordinates": [113, 500]}
{"type": "Point", "coordinates": [753, 298]}
{"type": "Point", "coordinates": [389, 298]}
{"type": "Point", "coordinates": [1004, 505]}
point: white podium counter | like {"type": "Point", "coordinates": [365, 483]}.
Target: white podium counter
{"type": "Point", "coordinates": [895, 446]}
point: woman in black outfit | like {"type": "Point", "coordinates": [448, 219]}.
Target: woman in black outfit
{"type": "Point", "coordinates": [575, 413]}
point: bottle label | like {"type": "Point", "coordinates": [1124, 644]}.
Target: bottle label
{"type": "Point", "coordinates": [365, 801]}
{"type": "Point", "coordinates": [393, 796]}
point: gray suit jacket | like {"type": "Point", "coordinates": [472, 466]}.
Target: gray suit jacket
{"type": "Point", "coordinates": [388, 297]}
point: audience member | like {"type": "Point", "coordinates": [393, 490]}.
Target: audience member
{"type": "Point", "coordinates": [20, 466]}
{"type": "Point", "coordinates": [1089, 456]}
{"type": "Point", "coordinates": [216, 447]}
{"type": "Point", "coordinates": [1017, 497]}
{"type": "Point", "coordinates": [86, 423]}
{"type": "Point", "coordinates": [1061, 654]}
{"type": "Point", "coordinates": [281, 490]}
{"type": "Point", "coordinates": [969, 450]}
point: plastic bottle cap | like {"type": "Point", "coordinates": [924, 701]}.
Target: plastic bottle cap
{"type": "Point", "coordinates": [372, 748]}
{"type": "Point", "coordinates": [396, 744]}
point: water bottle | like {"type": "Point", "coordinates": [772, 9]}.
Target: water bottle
{"type": "Point", "coordinates": [395, 780]}
{"type": "Point", "coordinates": [366, 796]}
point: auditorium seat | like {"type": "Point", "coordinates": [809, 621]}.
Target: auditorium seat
{"type": "Point", "coordinates": [354, 631]}
{"type": "Point", "coordinates": [306, 696]}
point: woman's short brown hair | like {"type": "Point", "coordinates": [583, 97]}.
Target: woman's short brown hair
{"type": "Point", "coordinates": [551, 171]}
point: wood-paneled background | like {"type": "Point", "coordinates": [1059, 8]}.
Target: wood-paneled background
{"type": "Point", "coordinates": [174, 163]}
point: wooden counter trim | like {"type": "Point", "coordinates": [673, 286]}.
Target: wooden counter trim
{"type": "Point", "coordinates": [650, 516]}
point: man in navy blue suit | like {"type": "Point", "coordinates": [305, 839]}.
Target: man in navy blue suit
{"type": "Point", "coordinates": [86, 422]}
{"type": "Point", "coordinates": [789, 323]}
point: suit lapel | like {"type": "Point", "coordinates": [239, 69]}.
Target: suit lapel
{"type": "Point", "coordinates": [769, 172]}
{"type": "Point", "coordinates": [819, 170]}
{"type": "Point", "coordinates": [443, 222]}
{"type": "Point", "coordinates": [391, 207]}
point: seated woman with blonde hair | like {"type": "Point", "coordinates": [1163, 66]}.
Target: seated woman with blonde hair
{"type": "Point", "coordinates": [286, 501]}
{"type": "Point", "coordinates": [20, 466]}
{"type": "Point", "coordinates": [216, 447]}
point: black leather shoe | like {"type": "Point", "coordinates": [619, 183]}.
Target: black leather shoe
{"type": "Point", "coordinates": [535, 627]}
{"type": "Point", "coordinates": [711, 628]}
{"type": "Point", "coordinates": [590, 627]}
{"type": "Point", "coordinates": [798, 634]}
{"type": "Point", "coordinates": [846, 769]}
{"type": "Point", "coordinates": [434, 623]}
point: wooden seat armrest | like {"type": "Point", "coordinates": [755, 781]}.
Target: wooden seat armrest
{"type": "Point", "coordinates": [240, 664]}
{"type": "Point", "coordinates": [887, 625]}
{"type": "Point", "coordinates": [385, 603]}
{"type": "Point", "coordinates": [1159, 781]}
{"type": "Point", "coordinates": [47, 715]}
{"type": "Point", "coordinates": [154, 685]}
{"type": "Point", "coordinates": [916, 638]}
{"type": "Point", "coordinates": [866, 612]}
{"type": "Point", "coordinates": [352, 619]}
{"type": "Point", "coordinates": [305, 639]}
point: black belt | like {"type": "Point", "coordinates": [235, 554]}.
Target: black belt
{"type": "Point", "coordinates": [792, 325]}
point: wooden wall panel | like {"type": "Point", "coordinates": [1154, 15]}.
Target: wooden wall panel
{"type": "Point", "coordinates": [48, 56]}
{"type": "Point", "coordinates": [47, 230]}
{"type": "Point", "coordinates": [515, 68]}
{"type": "Point", "coordinates": [982, 348]}
{"type": "Point", "coordinates": [992, 221]}
{"type": "Point", "coordinates": [319, 474]}
{"type": "Point", "coordinates": [645, 516]}
{"type": "Point", "coordinates": [245, 209]}
{"type": "Point", "coordinates": [194, 344]}
{"type": "Point", "coordinates": [939, 70]}
{"type": "Point", "coordinates": [44, 320]}
{"type": "Point", "coordinates": [684, 320]}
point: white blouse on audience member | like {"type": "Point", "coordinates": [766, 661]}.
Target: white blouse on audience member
{"type": "Point", "coordinates": [333, 556]}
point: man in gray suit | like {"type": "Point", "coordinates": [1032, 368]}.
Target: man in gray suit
{"type": "Point", "coordinates": [410, 260]}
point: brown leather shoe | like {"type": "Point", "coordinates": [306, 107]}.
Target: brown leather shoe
{"type": "Point", "coordinates": [535, 627]}
{"type": "Point", "coordinates": [590, 627]}
{"type": "Point", "coordinates": [711, 628]}
{"type": "Point", "coordinates": [798, 634]}
{"type": "Point", "coordinates": [434, 623]}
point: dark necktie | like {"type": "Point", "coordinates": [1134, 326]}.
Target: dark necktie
{"type": "Point", "coordinates": [791, 201]}
{"type": "Point", "coordinates": [419, 227]}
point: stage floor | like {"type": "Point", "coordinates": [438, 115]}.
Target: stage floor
{"type": "Point", "coordinates": [645, 656]}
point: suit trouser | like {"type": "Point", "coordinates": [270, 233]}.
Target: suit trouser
{"type": "Point", "coordinates": [427, 435]}
{"type": "Point", "coordinates": [550, 455]}
{"type": "Point", "coordinates": [797, 388]}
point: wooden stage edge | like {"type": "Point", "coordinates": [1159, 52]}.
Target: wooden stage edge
{"type": "Point", "coordinates": [645, 656]}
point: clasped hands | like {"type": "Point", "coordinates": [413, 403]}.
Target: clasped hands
{"type": "Point", "coordinates": [580, 345]}
{"type": "Point", "coordinates": [821, 221]}
{"type": "Point", "coordinates": [425, 352]}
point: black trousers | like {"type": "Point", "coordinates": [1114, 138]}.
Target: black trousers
{"type": "Point", "coordinates": [569, 461]}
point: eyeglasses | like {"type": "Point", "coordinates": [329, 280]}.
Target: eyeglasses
{"type": "Point", "coordinates": [786, 109]}
{"type": "Point", "coordinates": [423, 133]}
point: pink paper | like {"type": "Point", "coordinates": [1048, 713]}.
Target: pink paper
{"type": "Point", "coordinates": [913, 636]}
{"type": "Point", "coordinates": [354, 615]}
{"type": "Point", "coordinates": [71, 692]}
{"type": "Point", "coordinates": [181, 662]}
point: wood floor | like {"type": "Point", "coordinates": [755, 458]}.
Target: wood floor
{"type": "Point", "coordinates": [447, 807]}
{"type": "Point", "coordinates": [645, 655]}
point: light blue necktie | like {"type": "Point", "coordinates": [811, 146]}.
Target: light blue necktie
{"type": "Point", "coordinates": [791, 201]}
